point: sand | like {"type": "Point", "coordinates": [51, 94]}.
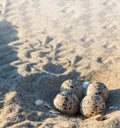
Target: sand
{"type": "Point", "coordinates": [45, 42]}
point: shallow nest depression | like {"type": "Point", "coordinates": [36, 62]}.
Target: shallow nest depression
{"type": "Point", "coordinates": [20, 103]}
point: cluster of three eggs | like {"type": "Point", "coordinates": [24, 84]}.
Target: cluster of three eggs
{"type": "Point", "coordinates": [74, 97]}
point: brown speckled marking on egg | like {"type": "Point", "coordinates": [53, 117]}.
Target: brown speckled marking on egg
{"type": "Point", "coordinates": [98, 88]}
{"type": "Point", "coordinates": [73, 86]}
{"type": "Point", "coordinates": [92, 105]}
{"type": "Point", "coordinates": [66, 102]}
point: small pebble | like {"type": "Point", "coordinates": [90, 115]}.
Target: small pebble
{"type": "Point", "coordinates": [113, 107]}
{"type": "Point", "coordinates": [39, 102]}
{"type": "Point", "coordinates": [86, 84]}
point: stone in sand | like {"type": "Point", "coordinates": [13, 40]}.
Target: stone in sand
{"type": "Point", "coordinates": [85, 86]}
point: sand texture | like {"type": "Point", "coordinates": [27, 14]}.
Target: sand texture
{"type": "Point", "coordinates": [45, 42]}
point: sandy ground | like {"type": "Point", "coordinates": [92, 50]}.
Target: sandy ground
{"type": "Point", "coordinates": [45, 42]}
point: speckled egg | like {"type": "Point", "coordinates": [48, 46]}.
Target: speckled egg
{"type": "Point", "coordinates": [98, 88]}
{"type": "Point", "coordinates": [92, 105]}
{"type": "Point", "coordinates": [73, 86]}
{"type": "Point", "coordinates": [66, 102]}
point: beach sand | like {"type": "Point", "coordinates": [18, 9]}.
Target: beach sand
{"type": "Point", "coordinates": [45, 42]}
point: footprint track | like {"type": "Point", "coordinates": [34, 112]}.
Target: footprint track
{"type": "Point", "coordinates": [33, 28]}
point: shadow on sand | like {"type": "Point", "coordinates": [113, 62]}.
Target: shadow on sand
{"type": "Point", "coordinates": [25, 90]}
